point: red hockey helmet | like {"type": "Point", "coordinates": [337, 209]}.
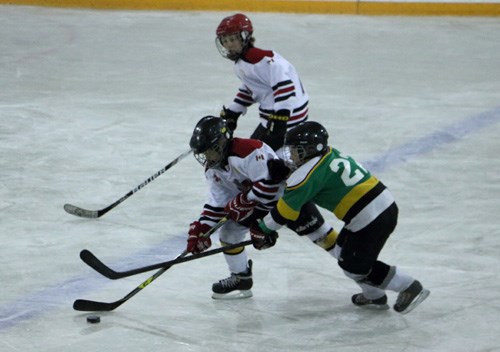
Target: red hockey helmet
{"type": "Point", "coordinates": [236, 23]}
{"type": "Point", "coordinates": [233, 29]}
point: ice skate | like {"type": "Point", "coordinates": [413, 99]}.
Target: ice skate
{"type": "Point", "coordinates": [410, 298]}
{"type": "Point", "coordinates": [236, 286]}
{"type": "Point", "coordinates": [376, 304]}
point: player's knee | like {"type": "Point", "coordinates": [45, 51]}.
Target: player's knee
{"type": "Point", "coordinates": [354, 265]}
{"type": "Point", "coordinates": [232, 232]}
{"type": "Point", "coordinates": [380, 274]}
{"type": "Point", "coordinates": [327, 240]}
{"type": "Point", "coordinates": [234, 251]}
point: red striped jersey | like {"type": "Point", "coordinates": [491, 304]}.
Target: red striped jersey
{"type": "Point", "coordinates": [246, 170]}
{"type": "Point", "coordinates": [271, 81]}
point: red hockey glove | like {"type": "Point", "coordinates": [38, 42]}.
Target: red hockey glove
{"type": "Point", "coordinates": [262, 237]}
{"type": "Point", "coordinates": [196, 243]}
{"type": "Point", "coordinates": [240, 207]}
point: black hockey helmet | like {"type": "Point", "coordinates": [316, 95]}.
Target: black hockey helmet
{"type": "Point", "coordinates": [305, 141]}
{"type": "Point", "coordinates": [210, 141]}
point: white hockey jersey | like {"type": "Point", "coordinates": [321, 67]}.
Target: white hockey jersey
{"type": "Point", "coordinates": [246, 170]}
{"type": "Point", "coordinates": [270, 80]}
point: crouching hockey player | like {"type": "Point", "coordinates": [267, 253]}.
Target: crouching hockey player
{"type": "Point", "coordinates": [245, 179]}
{"type": "Point", "coordinates": [339, 184]}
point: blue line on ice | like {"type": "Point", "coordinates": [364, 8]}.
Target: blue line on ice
{"type": "Point", "coordinates": [433, 141]}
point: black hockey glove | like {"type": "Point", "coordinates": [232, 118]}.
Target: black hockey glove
{"type": "Point", "coordinates": [262, 237]}
{"type": "Point", "coordinates": [278, 170]}
{"type": "Point", "coordinates": [276, 129]}
{"type": "Point", "coordinates": [231, 117]}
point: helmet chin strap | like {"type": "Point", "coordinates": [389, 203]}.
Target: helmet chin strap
{"type": "Point", "coordinates": [245, 39]}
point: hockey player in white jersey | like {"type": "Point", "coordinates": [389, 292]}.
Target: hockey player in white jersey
{"type": "Point", "coordinates": [245, 179]}
{"type": "Point", "coordinates": [267, 78]}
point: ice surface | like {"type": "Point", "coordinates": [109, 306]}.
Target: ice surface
{"type": "Point", "coordinates": [94, 102]}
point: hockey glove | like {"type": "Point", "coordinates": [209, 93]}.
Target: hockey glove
{"type": "Point", "coordinates": [196, 243]}
{"type": "Point", "coordinates": [231, 117]}
{"type": "Point", "coordinates": [276, 129]}
{"type": "Point", "coordinates": [262, 237]}
{"type": "Point", "coordinates": [278, 170]}
{"type": "Point", "coordinates": [240, 207]}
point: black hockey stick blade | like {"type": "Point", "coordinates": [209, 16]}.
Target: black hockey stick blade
{"type": "Point", "coordinates": [91, 260]}
{"type": "Point", "coordinates": [94, 306]}
{"type": "Point", "coordinates": [92, 214]}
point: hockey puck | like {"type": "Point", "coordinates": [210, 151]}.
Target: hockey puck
{"type": "Point", "coordinates": [93, 319]}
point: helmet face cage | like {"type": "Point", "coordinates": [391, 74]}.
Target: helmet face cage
{"type": "Point", "coordinates": [244, 39]}
{"type": "Point", "coordinates": [200, 157]}
{"type": "Point", "coordinates": [296, 155]}
{"type": "Point", "coordinates": [289, 156]}
{"type": "Point", "coordinates": [210, 141]}
{"type": "Point", "coordinates": [215, 156]}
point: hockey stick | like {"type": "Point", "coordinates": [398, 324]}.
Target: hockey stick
{"type": "Point", "coordinates": [89, 306]}
{"type": "Point", "coordinates": [91, 260]}
{"type": "Point", "coordinates": [92, 214]}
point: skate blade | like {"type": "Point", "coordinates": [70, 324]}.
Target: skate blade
{"type": "Point", "coordinates": [419, 299]}
{"type": "Point", "coordinates": [233, 295]}
{"type": "Point", "coordinates": [374, 306]}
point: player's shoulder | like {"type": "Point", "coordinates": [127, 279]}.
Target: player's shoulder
{"type": "Point", "coordinates": [243, 147]}
{"type": "Point", "coordinates": [316, 165]}
{"type": "Point", "coordinates": [255, 55]}
{"type": "Point", "coordinates": [300, 175]}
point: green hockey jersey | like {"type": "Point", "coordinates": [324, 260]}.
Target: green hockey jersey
{"type": "Point", "coordinates": [338, 183]}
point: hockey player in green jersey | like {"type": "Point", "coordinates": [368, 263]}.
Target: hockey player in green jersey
{"type": "Point", "coordinates": [338, 183]}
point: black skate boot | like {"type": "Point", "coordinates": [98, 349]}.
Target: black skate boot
{"type": "Point", "coordinates": [410, 298]}
{"type": "Point", "coordinates": [363, 302]}
{"type": "Point", "coordinates": [236, 286]}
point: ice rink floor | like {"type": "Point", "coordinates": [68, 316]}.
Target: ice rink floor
{"type": "Point", "coordinates": [93, 103]}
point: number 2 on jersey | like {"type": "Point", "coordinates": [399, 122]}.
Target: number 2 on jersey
{"type": "Point", "coordinates": [346, 172]}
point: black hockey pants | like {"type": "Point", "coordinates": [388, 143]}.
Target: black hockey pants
{"type": "Point", "coordinates": [361, 249]}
